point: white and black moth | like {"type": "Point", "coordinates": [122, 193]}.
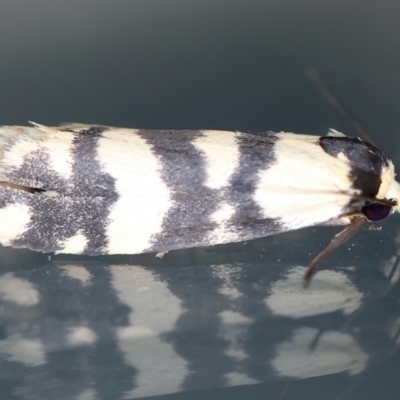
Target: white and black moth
{"type": "Point", "coordinates": [93, 190]}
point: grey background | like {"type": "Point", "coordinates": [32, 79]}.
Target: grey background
{"type": "Point", "coordinates": [220, 65]}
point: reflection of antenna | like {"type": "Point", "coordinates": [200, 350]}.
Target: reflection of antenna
{"type": "Point", "coordinates": [332, 100]}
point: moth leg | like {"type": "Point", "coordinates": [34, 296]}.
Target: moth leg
{"type": "Point", "coordinates": [337, 241]}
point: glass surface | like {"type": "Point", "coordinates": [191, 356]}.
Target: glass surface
{"type": "Point", "coordinates": [196, 321]}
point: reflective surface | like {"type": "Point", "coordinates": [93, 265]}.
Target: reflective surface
{"type": "Point", "coordinates": [136, 326]}
{"type": "Point", "coordinates": [91, 330]}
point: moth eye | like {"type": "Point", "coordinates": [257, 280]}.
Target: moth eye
{"type": "Point", "coordinates": [375, 211]}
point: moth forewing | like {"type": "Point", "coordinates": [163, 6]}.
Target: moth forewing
{"type": "Point", "coordinates": [305, 186]}
{"type": "Point", "coordinates": [90, 189]}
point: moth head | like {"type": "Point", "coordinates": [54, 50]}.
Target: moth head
{"type": "Point", "coordinates": [388, 197]}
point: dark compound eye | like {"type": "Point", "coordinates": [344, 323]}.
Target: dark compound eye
{"type": "Point", "coordinates": [375, 211]}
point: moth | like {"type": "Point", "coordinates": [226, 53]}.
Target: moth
{"type": "Point", "coordinates": [89, 189]}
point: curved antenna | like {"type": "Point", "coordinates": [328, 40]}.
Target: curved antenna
{"type": "Point", "coordinates": [333, 101]}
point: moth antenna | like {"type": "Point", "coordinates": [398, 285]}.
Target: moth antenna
{"type": "Point", "coordinates": [339, 239]}
{"type": "Point", "coordinates": [333, 101]}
